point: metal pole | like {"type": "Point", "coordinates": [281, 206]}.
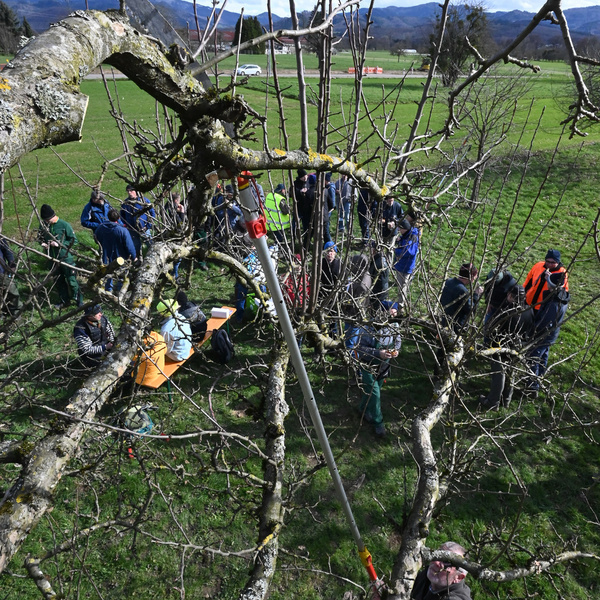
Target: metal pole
{"type": "Point", "coordinates": [256, 225]}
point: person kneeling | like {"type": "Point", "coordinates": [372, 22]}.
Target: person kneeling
{"type": "Point", "coordinates": [94, 336]}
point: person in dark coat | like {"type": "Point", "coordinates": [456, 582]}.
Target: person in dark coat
{"type": "Point", "coordinates": [497, 285]}
{"type": "Point", "coordinates": [459, 297]}
{"type": "Point", "coordinates": [442, 580]}
{"type": "Point", "coordinates": [9, 293]}
{"type": "Point", "coordinates": [193, 313]}
{"type": "Point", "coordinates": [331, 267]}
{"type": "Point", "coordinates": [116, 242]}
{"type": "Point", "coordinates": [390, 216]}
{"type": "Point", "coordinates": [95, 212]}
{"type": "Point", "coordinates": [547, 322]}
{"type": "Point", "coordinates": [94, 336]}
{"type": "Point", "coordinates": [303, 200]}
{"type": "Point", "coordinates": [138, 213]}
{"type": "Point", "coordinates": [511, 328]}
{"type": "Point", "coordinates": [365, 209]}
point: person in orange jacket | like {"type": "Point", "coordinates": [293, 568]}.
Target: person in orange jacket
{"type": "Point", "coordinates": [536, 282]}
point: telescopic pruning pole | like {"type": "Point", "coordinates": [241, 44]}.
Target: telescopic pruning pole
{"type": "Point", "coordinates": [256, 225]}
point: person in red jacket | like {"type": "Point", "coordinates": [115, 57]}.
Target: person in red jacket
{"type": "Point", "coordinates": [536, 282]}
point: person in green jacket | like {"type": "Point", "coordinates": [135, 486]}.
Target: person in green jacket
{"type": "Point", "coordinates": [57, 237]}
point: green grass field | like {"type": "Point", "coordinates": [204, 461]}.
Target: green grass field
{"type": "Point", "coordinates": [551, 446]}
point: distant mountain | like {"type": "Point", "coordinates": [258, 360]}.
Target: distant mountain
{"type": "Point", "coordinates": [398, 24]}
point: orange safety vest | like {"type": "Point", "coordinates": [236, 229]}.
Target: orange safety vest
{"type": "Point", "coordinates": [535, 284]}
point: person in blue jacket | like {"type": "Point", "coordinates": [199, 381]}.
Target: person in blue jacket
{"type": "Point", "coordinates": [115, 241]}
{"type": "Point", "coordinates": [138, 213]}
{"type": "Point", "coordinates": [405, 255]}
{"type": "Point", "coordinates": [95, 212]}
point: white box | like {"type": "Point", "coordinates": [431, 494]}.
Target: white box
{"type": "Point", "coordinates": [220, 313]}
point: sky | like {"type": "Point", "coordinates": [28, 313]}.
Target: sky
{"type": "Point", "coordinates": [282, 7]}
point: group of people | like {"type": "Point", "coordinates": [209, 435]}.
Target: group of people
{"type": "Point", "coordinates": [119, 234]}
{"type": "Point", "coordinates": [182, 324]}
{"type": "Point", "coordinates": [517, 317]}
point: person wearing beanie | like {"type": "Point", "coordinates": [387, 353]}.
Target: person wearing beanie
{"type": "Point", "coordinates": [115, 241]}
{"type": "Point", "coordinates": [406, 251]}
{"type": "Point", "coordinates": [95, 212]}
{"type": "Point", "coordinates": [536, 282]}
{"type": "Point", "coordinates": [94, 336]}
{"type": "Point", "coordinates": [57, 237]}
{"type": "Point", "coordinates": [175, 330]}
{"type": "Point", "coordinates": [460, 297]}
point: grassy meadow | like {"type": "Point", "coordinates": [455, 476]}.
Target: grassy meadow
{"type": "Point", "coordinates": [551, 447]}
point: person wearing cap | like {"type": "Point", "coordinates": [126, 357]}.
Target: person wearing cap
{"type": "Point", "coordinates": [94, 336]}
{"type": "Point", "coordinates": [115, 241]}
{"type": "Point", "coordinates": [95, 212]}
{"type": "Point", "coordinates": [405, 255]}
{"type": "Point", "coordinates": [374, 350]}
{"type": "Point", "coordinates": [10, 302]}
{"type": "Point", "coordinates": [57, 237]}
{"type": "Point", "coordinates": [509, 328]}
{"type": "Point", "coordinates": [536, 282]}
{"type": "Point", "coordinates": [460, 297]}
{"type": "Point", "coordinates": [548, 319]}
{"type": "Point", "coordinates": [175, 330]}
{"type": "Point", "coordinates": [277, 213]}
{"type": "Point", "coordinates": [441, 580]}
{"type": "Point", "coordinates": [137, 214]}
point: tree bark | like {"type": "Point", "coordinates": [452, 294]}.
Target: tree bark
{"type": "Point", "coordinates": [272, 510]}
{"type": "Point", "coordinates": [409, 559]}
{"type": "Point", "coordinates": [31, 495]}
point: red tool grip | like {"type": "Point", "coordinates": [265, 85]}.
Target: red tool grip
{"type": "Point", "coordinates": [257, 228]}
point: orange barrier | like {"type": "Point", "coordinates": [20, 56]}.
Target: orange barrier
{"type": "Point", "coordinates": [366, 70]}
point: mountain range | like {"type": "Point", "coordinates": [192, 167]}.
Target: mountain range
{"type": "Point", "coordinates": [403, 24]}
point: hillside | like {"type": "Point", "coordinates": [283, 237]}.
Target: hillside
{"type": "Point", "coordinates": [408, 26]}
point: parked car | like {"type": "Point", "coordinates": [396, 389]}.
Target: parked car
{"type": "Point", "coordinates": [248, 70]}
